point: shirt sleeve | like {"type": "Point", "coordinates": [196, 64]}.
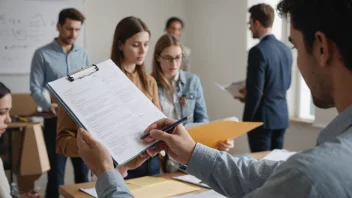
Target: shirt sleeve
{"type": "Point", "coordinates": [290, 183]}
{"type": "Point", "coordinates": [66, 140]}
{"type": "Point", "coordinates": [111, 184]}
{"type": "Point", "coordinates": [155, 97]}
{"type": "Point", "coordinates": [200, 109]}
{"type": "Point", "coordinates": [254, 83]}
{"type": "Point", "coordinates": [37, 81]}
{"type": "Point", "coordinates": [228, 175]}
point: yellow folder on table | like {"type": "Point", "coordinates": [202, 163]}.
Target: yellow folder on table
{"type": "Point", "coordinates": [210, 134]}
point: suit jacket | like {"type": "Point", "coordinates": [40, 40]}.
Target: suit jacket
{"type": "Point", "coordinates": [268, 79]}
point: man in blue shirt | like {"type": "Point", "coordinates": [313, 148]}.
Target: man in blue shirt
{"type": "Point", "coordinates": [321, 34]}
{"type": "Point", "coordinates": [50, 62]}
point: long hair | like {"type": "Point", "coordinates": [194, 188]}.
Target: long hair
{"type": "Point", "coordinates": [125, 29]}
{"type": "Point", "coordinates": [164, 42]}
{"type": "Point", "coordinates": [4, 90]}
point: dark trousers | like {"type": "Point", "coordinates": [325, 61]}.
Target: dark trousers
{"type": "Point", "coordinates": [56, 174]}
{"type": "Point", "coordinates": [261, 139]}
{"type": "Point", "coordinates": [148, 168]}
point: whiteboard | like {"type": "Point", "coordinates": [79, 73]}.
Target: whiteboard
{"type": "Point", "coordinates": [26, 25]}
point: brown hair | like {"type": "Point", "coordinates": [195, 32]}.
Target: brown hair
{"type": "Point", "coordinates": [164, 42]}
{"type": "Point", "coordinates": [263, 13]}
{"type": "Point", "coordinates": [125, 29]}
{"type": "Point", "coordinates": [70, 13]}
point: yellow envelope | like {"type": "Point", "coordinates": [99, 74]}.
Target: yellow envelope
{"type": "Point", "coordinates": [210, 134]}
{"type": "Point", "coordinates": [155, 187]}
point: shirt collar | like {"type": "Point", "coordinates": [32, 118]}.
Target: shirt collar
{"type": "Point", "coordinates": [337, 126]}
{"type": "Point", "coordinates": [182, 77]}
{"type": "Point", "coordinates": [266, 34]}
{"type": "Point", "coordinates": [58, 47]}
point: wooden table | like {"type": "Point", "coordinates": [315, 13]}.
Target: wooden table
{"type": "Point", "coordinates": [72, 191]}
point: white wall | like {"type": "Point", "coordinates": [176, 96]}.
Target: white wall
{"type": "Point", "coordinates": [216, 34]}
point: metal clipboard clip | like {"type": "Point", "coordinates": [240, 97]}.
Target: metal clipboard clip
{"type": "Point", "coordinates": [87, 72]}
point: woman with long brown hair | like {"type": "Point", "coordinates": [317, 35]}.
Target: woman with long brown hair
{"type": "Point", "coordinates": [129, 49]}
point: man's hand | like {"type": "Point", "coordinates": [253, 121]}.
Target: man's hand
{"type": "Point", "coordinates": [93, 153]}
{"type": "Point", "coordinates": [133, 164]}
{"type": "Point", "coordinates": [53, 108]}
{"type": "Point", "coordinates": [242, 99]}
{"type": "Point", "coordinates": [179, 144]}
{"type": "Point", "coordinates": [226, 145]}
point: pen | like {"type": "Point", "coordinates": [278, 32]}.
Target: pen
{"type": "Point", "coordinates": [168, 128]}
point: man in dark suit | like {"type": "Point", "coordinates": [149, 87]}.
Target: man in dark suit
{"type": "Point", "coordinates": [268, 79]}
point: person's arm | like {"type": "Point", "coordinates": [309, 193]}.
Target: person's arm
{"type": "Point", "coordinates": [155, 96]}
{"type": "Point", "coordinates": [200, 109]}
{"type": "Point", "coordinates": [254, 83]}
{"type": "Point", "coordinates": [290, 183]}
{"type": "Point", "coordinates": [228, 175]}
{"type": "Point", "coordinates": [66, 140]}
{"type": "Point", "coordinates": [111, 184]}
{"type": "Point", "coordinates": [37, 81]}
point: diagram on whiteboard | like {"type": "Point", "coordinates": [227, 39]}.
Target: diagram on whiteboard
{"type": "Point", "coordinates": [25, 26]}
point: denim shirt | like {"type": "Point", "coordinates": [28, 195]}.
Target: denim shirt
{"type": "Point", "coordinates": [191, 99]}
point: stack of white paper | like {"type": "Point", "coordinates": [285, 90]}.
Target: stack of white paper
{"type": "Point", "coordinates": [279, 155]}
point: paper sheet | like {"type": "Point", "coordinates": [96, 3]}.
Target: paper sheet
{"type": "Point", "coordinates": [191, 179]}
{"type": "Point", "coordinates": [279, 155]}
{"type": "Point", "coordinates": [164, 189]}
{"type": "Point", "coordinates": [206, 194]}
{"type": "Point", "coordinates": [233, 88]}
{"type": "Point", "coordinates": [110, 107]}
{"type": "Point", "coordinates": [90, 191]}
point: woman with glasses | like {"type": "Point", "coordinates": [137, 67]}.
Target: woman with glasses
{"type": "Point", "coordinates": [180, 92]}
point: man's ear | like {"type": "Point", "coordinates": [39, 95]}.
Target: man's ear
{"type": "Point", "coordinates": [58, 27]}
{"type": "Point", "coordinates": [324, 48]}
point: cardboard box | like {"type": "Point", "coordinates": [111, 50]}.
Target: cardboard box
{"type": "Point", "coordinates": [34, 157]}
{"type": "Point", "coordinates": [23, 105]}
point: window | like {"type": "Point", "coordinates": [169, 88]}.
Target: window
{"type": "Point", "coordinates": [306, 108]}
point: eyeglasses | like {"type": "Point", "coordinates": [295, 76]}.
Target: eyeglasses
{"type": "Point", "coordinates": [170, 59]}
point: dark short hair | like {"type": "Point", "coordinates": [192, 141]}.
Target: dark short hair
{"type": "Point", "coordinates": [173, 19]}
{"type": "Point", "coordinates": [72, 14]}
{"type": "Point", "coordinates": [4, 90]}
{"type": "Point", "coordinates": [331, 17]}
{"type": "Point", "coordinates": [263, 13]}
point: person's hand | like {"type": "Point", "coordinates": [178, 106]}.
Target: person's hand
{"type": "Point", "coordinates": [226, 145]}
{"type": "Point", "coordinates": [53, 108]}
{"type": "Point", "coordinates": [133, 164]}
{"type": "Point", "coordinates": [179, 144]}
{"type": "Point", "coordinates": [93, 153]}
{"type": "Point", "coordinates": [243, 91]}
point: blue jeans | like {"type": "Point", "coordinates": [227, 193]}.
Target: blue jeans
{"type": "Point", "coordinates": [56, 174]}
{"type": "Point", "coordinates": [261, 139]}
{"type": "Point", "coordinates": [150, 167]}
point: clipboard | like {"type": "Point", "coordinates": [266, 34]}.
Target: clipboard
{"type": "Point", "coordinates": [96, 83]}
